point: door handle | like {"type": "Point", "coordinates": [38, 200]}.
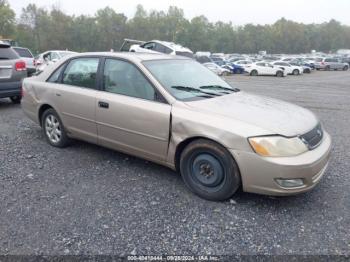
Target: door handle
{"type": "Point", "coordinates": [103, 104]}
{"type": "Point", "coordinates": [58, 94]}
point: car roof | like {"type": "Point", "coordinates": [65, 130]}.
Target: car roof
{"type": "Point", "coordinates": [134, 56]}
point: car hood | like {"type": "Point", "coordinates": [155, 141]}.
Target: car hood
{"type": "Point", "coordinates": [274, 116]}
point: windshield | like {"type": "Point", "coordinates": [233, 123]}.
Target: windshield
{"type": "Point", "coordinates": [187, 79]}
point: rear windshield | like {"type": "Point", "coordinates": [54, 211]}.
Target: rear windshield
{"type": "Point", "coordinates": [7, 53]}
{"type": "Point", "coordinates": [22, 52]}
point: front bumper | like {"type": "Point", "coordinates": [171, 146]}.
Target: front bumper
{"type": "Point", "coordinates": [259, 173]}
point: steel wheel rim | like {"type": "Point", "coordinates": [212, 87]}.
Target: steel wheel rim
{"type": "Point", "coordinates": [207, 171]}
{"type": "Point", "coordinates": [53, 129]}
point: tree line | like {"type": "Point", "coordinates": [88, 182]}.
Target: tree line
{"type": "Point", "coordinates": [40, 29]}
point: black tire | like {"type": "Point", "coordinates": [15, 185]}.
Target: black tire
{"type": "Point", "coordinates": [225, 73]}
{"type": "Point", "coordinates": [279, 74]}
{"type": "Point", "coordinates": [254, 73]}
{"type": "Point", "coordinates": [296, 72]}
{"type": "Point", "coordinates": [63, 140]}
{"type": "Point", "coordinates": [345, 68]}
{"type": "Point", "coordinates": [16, 99]}
{"type": "Point", "coordinates": [327, 68]}
{"type": "Point", "coordinates": [317, 69]}
{"type": "Point", "coordinates": [209, 170]}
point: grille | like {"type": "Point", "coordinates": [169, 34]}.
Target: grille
{"type": "Point", "coordinates": [313, 138]}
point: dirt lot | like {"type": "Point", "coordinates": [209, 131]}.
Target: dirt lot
{"type": "Point", "coordinates": [89, 200]}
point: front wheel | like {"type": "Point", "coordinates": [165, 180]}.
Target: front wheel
{"type": "Point", "coordinates": [209, 170]}
{"type": "Point", "coordinates": [345, 68]}
{"type": "Point", "coordinates": [16, 99]}
{"type": "Point", "coordinates": [296, 72]}
{"type": "Point", "coordinates": [53, 129]}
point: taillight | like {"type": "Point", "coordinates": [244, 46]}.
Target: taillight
{"type": "Point", "coordinates": [20, 66]}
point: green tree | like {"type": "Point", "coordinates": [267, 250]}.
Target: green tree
{"type": "Point", "coordinates": [7, 19]}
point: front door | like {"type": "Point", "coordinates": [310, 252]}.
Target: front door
{"type": "Point", "coordinates": [129, 116]}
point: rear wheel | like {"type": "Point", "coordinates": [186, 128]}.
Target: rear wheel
{"type": "Point", "coordinates": [53, 129]}
{"type": "Point", "coordinates": [279, 74]}
{"type": "Point", "coordinates": [254, 73]}
{"type": "Point", "coordinates": [16, 99]}
{"type": "Point", "coordinates": [327, 68]}
{"type": "Point", "coordinates": [209, 170]}
{"type": "Point", "coordinates": [345, 68]}
{"type": "Point", "coordinates": [296, 72]}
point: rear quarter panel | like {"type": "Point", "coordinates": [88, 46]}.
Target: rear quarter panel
{"type": "Point", "coordinates": [36, 93]}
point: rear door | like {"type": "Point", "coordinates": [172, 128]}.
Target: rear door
{"type": "Point", "coordinates": [76, 97]}
{"type": "Point", "coordinates": [130, 115]}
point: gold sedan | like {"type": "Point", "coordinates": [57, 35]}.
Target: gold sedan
{"type": "Point", "coordinates": [174, 111]}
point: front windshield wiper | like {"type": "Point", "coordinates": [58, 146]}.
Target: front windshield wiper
{"type": "Point", "coordinates": [220, 88]}
{"type": "Point", "coordinates": [192, 89]}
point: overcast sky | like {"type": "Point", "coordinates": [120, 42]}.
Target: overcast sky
{"type": "Point", "coordinates": [238, 11]}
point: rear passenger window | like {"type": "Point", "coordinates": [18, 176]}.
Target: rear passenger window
{"type": "Point", "coordinates": [81, 72]}
{"type": "Point", "coordinates": [123, 78]}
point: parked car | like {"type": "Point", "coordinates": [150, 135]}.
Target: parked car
{"type": "Point", "coordinates": [12, 71]}
{"type": "Point", "coordinates": [164, 47]}
{"type": "Point", "coordinates": [243, 63]}
{"type": "Point", "coordinates": [49, 57]}
{"type": "Point", "coordinates": [26, 55]}
{"type": "Point", "coordinates": [306, 69]}
{"type": "Point", "coordinates": [264, 69]}
{"type": "Point", "coordinates": [217, 69]}
{"type": "Point", "coordinates": [234, 68]}
{"type": "Point", "coordinates": [330, 64]}
{"type": "Point", "coordinates": [288, 68]}
{"type": "Point", "coordinates": [175, 112]}
{"type": "Point", "coordinates": [218, 60]}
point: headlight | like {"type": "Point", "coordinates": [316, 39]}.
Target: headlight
{"type": "Point", "coordinates": [277, 146]}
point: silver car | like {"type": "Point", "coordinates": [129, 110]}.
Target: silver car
{"type": "Point", "coordinates": [330, 64]}
{"type": "Point", "coordinates": [176, 112]}
{"type": "Point", "coordinates": [12, 71]}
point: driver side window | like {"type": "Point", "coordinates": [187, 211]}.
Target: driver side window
{"type": "Point", "coordinates": [121, 77]}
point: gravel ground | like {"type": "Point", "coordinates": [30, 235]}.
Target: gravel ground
{"type": "Point", "coordinates": [89, 200]}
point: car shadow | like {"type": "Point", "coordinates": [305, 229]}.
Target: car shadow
{"type": "Point", "coordinates": [6, 103]}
